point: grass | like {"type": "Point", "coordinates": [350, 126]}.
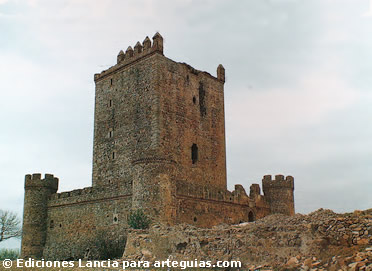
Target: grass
{"type": "Point", "coordinates": [11, 254]}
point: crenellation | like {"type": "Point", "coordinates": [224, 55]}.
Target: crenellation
{"type": "Point", "coordinates": [267, 178]}
{"type": "Point", "coordinates": [35, 176]}
{"type": "Point", "coordinates": [184, 188]}
{"type": "Point", "coordinates": [221, 73]}
{"type": "Point", "coordinates": [289, 179]}
{"type": "Point", "coordinates": [137, 48]}
{"type": "Point", "coordinates": [129, 52]}
{"type": "Point", "coordinates": [158, 43]}
{"type": "Point", "coordinates": [88, 194]}
{"type": "Point", "coordinates": [240, 190]}
{"type": "Point", "coordinates": [146, 44]}
{"type": "Point", "coordinates": [279, 193]}
{"type": "Point", "coordinates": [131, 55]}
{"type": "Point", "coordinates": [279, 178]}
{"type": "Point", "coordinates": [49, 181]}
{"type": "Point", "coordinates": [279, 181]}
{"type": "Point", "coordinates": [120, 58]}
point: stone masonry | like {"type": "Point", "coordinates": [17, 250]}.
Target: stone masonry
{"type": "Point", "coordinates": [321, 240]}
{"type": "Point", "coordinates": [159, 145]}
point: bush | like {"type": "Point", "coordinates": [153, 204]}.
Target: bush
{"type": "Point", "coordinates": [11, 254]}
{"type": "Point", "coordinates": [138, 220]}
{"type": "Point", "coordinates": [109, 248]}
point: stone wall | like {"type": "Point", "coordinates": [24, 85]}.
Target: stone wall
{"type": "Point", "coordinates": [206, 206]}
{"type": "Point", "coordinates": [126, 118]}
{"type": "Point", "coordinates": [77, 220]}
{"type": "Point", "coordinates": [192, 116]}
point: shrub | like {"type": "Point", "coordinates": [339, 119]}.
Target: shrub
{"type": "Point", "coordinates": [138, 220]}
{"type": "Point", "coordinates": [11, 254]}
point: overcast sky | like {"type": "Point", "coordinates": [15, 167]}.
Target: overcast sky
{"type": "Point", "coordinates": [298, 94]}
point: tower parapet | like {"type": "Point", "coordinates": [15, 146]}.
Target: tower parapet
{"type": "Point", "coordinates": [37, 193]}
{"type": "Point", "coordinates": [279, 194]}
{"type": "Point", "coordinates": [135, 53]}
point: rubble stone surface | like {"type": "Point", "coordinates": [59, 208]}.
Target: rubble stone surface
{"type": "Point", "coordinates": [322, 240]}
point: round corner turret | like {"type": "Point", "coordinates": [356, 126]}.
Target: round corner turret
{"type": "Point", "coordinates": [35, 213]}
{"type": "Point", "coordinates": [279, 194]}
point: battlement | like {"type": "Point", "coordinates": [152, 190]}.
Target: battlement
{"type": "Point", "coordinates": [133, 54]}
{"type": "Point", "coordinates": [88, 194]}
{"type": "Point", "coordinates": [35, 180]}
{"type": "Point", "coordinates": [146, 48]}
{"type": "Point", "coordinates": [239, 195]}
{"type": "Point", "coordinates": [73, 193]}
{"type": "Point", "coordinates": [278, 182]}
{"type": "Point", "coordinates": [122, 187]}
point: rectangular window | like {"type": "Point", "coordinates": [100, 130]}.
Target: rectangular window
{"type": "Point", "coordinates": [194, 153]}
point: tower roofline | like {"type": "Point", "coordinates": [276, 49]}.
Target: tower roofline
{"type": "Point", "coordinates": [141, 52]}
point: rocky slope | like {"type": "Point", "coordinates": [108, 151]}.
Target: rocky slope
{"type": "Point", "coordinates": [322, 240]}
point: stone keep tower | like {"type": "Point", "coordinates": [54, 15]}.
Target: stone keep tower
{"type": "Point", "coordinates": [157, 120]}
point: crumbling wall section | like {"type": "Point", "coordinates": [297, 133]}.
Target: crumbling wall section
{"type": "Point", "coordinates": [205, 206]}
{"type": "Point", "coordinates": [277, 240]}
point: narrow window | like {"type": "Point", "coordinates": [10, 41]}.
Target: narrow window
{"type": "Point", "coordinates": [194, 153]}
{"type": "Point", "coordinates": [111, 81]}
{"type": "Point", "coordinates": [110, 103]}
{"type": "Point", "coordinates": [111, 133]}
{"type": "Point", "coordinates": [203, 108]}
{"type": "Point", "coordinates": [194, 100]}
{"type": "Point", "coordinates": [113, 155]}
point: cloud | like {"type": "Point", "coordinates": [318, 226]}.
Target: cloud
{"type": "Point", "coordinates": [369, 12]}
{"type": "Point", "coordinates": [312, 100]}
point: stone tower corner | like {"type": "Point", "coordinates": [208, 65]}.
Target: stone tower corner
{"type": "Point", "coordinates": [279, 194]}
{"type": "Point", "coordinates": [221, 73]}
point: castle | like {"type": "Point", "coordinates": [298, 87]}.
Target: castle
{"type": "Point", "coordinates": [159, 146]}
